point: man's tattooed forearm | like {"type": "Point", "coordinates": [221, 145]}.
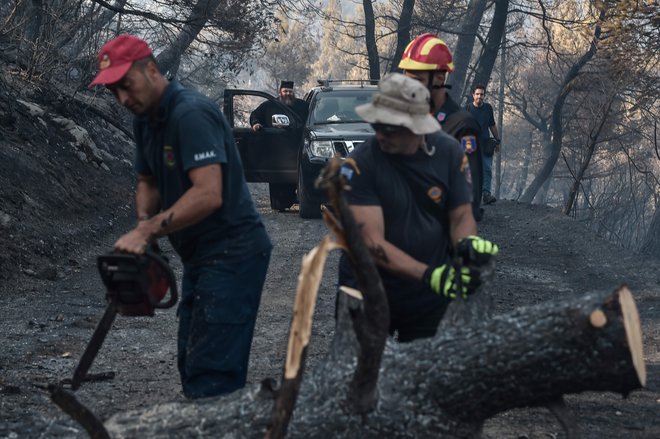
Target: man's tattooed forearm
{"type": "Point", "coordinates": [167, 221]}
{"type": "Point", "coordinates": [379, 254]}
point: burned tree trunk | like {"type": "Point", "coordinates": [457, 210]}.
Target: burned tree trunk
{"type": "Point", "coordinates": [440, 387]}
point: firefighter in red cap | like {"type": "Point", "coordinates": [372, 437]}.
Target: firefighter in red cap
{"type": "Point", "coordinates": [428, 59]}
{"type": "Point", "coordinates": [191, 187]}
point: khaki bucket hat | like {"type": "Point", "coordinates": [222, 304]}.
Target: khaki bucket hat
{"type": "Point", "coordinates": [400, 101]}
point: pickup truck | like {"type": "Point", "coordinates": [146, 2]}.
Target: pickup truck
{"type": "Point", "coordinates": [290, 155]}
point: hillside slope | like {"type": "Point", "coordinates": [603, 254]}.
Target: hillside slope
{"type": "Point", "coordinates": [65, 174]}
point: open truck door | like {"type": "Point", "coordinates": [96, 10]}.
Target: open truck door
{"type": "Point", "coordinates": [271, 154]}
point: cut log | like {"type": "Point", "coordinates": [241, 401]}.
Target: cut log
{"type": "Point", "coordinates": [444, 386]}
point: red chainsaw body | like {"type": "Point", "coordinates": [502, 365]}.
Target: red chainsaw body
{"type": "Point", "coordinates": [137, 284]}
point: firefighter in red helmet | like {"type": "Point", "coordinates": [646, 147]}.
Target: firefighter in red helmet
{"type": "Point", "coordinates": [428, 59]}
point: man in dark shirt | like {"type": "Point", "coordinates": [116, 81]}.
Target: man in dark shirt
{"type": "Point", "coordinates": [191, 188]}
{"type": "Point", "coordinates": [262, 116]}
{"type": "Point", "coordinates": [483, 113]}
{"type": "Point", "coordinates": [428, 59]}
{"type": "Point", "coordinates": [411, 194]}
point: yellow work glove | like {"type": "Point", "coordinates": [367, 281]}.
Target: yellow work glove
{"type": "Point", "coordinates": [474, 250]}
{"type": "Point", "coordinates": [442, 280]}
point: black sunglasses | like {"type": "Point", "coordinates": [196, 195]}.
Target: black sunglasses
{"type": "Point", "coordinates": [386, 129]}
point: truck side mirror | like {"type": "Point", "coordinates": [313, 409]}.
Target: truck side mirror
{"type": "Point", "coordinates": [280, 121]}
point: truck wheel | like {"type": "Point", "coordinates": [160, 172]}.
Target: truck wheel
{"type": "Point", "coordinates": [282, 195]}
{"type": "Point", "coordinates": [309, 208]}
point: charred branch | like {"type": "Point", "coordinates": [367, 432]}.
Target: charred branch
{"type": "Point", "coordinates": [371, 322]}
{"type": "Point", "coordinates": [309, 281]}
{"type": "Point", "coordinates": [70, 405]}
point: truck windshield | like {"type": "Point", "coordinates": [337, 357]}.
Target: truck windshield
{"type": "Point", "coordinates": [339, 106]}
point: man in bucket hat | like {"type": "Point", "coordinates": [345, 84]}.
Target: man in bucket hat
{"type": "Point", "coordinates": [411, 192]}
{"type": "Point", "coordinates": [191, 188]}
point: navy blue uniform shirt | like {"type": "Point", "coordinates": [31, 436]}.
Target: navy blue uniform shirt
{"type": "Point", "coordinates": [444, 178]}
{"type": "Point", "coordinates": [190, 132]}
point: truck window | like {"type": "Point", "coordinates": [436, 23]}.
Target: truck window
{"type": "Point", "coordinates": [244, 105]}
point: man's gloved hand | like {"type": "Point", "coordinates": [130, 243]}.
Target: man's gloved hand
{"type": "Point", "coordinates": [442, 280]}
{"type": "Point", "coordinates": [475, 250]}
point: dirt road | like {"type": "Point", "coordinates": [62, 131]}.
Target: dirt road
{"type": "Point", "coordinates": [545, 256]}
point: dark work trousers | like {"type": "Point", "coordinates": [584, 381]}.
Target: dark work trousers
{"type": "Point", "coordinates": [218, 310]}
{"type": "Point", "coordinates": [414, 313]}
{"type": "Point", "coordinates": [421, 324]}
{"type": "Point", "coordinates": [488, 172]}
{"type": "Point", "coordinates": [477, 173]}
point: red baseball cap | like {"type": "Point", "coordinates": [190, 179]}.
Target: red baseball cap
{"type": "Point", "coordinates": [117, 56]}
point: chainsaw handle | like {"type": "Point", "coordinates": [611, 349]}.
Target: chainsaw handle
{"type": "Point", "coordinates": [171, 301]}
{"type": "Point", "coordinates": [174, 295]}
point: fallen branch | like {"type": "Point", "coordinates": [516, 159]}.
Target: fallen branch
{"type": "Point", "coordinates": [70, 405]}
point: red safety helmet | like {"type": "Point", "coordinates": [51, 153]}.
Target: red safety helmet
{"type": "Point", "coordinates": [427, 52]}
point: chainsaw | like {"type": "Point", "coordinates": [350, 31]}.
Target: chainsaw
{"type": "Point", "coordinates": [136, 285]}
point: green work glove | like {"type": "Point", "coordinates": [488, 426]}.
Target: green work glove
{"type": "Point", "coordinates": [442, 280]}
{"type": "Point", "coordinates": [474, 250]}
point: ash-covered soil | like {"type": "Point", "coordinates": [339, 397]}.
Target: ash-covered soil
{"type": "Point", "coordinates": [65, 200]}
{"type": "Point", "coordinates": [544, 257]}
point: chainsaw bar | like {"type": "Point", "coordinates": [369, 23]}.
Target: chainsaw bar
{"type": "Point", "coordinates": [135, 286]}
{"type": "Point", "coordinates": [94, 345]}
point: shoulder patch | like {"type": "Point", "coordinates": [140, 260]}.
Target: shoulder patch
{"type": "Point", "coordinates": [464, 163]}
{"type": "Point", "coordinates": [441, 116]}
{"type": "Point", "coordinates": [465, 169]}
{"type": "Point", "coordinates": [469, 144]}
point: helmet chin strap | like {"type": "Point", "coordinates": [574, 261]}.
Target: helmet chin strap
{"type": "Point", "coordinates": [429, 82]}
{"type": "Point", "coordinates": [431, 86]}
